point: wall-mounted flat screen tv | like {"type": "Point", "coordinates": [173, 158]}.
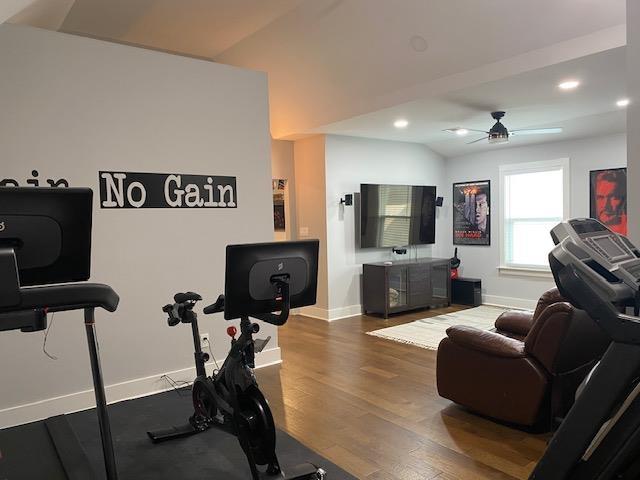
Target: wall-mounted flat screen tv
{"type": "Point", "coordinates": [397, 215]}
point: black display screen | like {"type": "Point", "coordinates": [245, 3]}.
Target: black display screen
{"type": "Point", "coordinates": [397, 215]}
{"type": "Point", "coordinates": [587, 225]}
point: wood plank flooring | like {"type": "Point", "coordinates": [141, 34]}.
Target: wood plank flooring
{"type": "Point", "coordinates": [371, 406]}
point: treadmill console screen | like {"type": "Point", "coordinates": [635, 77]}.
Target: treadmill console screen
{"type": "Point", "coordinates": [587, 226]}
{"type": "Point", "coordinates": [609, 247]}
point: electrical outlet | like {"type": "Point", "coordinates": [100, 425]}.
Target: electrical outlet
{"type": "Point", "coordinates": [204, 340]}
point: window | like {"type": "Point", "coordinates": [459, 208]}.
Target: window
{"type": "Point", "coordinates": [535, 198]}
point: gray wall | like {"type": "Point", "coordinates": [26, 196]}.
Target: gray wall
{"type": "Point", "coordinates": [482, 262]}
{"type": "Point", "coordinates": [351, 161]}
{"type": "Point", "coordinates": [72, 106]}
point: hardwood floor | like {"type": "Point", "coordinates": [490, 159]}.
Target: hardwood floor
{"type": "Point", "coordinates": [371, 406]}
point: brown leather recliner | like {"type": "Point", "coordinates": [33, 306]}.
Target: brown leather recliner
{"type": "Point", "coordinates": [526, 371]}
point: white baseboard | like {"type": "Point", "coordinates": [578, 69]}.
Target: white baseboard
{"type": "Point", "coordinates": [509, 302]}
{"type": "Point", "coordinates": [139, 387]}
{"type": "Point", "coordinates": [330, 315]}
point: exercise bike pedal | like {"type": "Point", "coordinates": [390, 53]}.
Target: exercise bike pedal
{"type": "Point", "coordinates": [259, 344]}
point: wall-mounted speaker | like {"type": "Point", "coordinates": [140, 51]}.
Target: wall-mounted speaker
{"type": "Point", "coordinates": [347, 200]}
{"type": "Point", "coordinates": [439, 201]}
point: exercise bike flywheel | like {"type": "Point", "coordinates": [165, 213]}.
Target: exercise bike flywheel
{"type": "Point", "coordinates": [254, 416]}
{"type": "Point", "coordinates": [205, 406]}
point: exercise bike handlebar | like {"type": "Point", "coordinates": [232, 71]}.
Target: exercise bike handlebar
{"type": "Point", "coordinates": [182, 309]}
{"type": "Point", "coordinates": [216, 307]}
{"type": "Point", "coordinates": [279, 319]}
{"type": "Point", "coordinates": [283, 296]}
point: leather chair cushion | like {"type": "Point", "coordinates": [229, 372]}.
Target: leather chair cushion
{"type": "Point", "coordinates": [508, 387]}
{"type": "Point", "coordinates": [549, 297]}
{"type": "Point", "coordinates": [548, 334]}
{"type": "Point", "coordinates": [515, 323]}
{"type": "Point", "coordinates": [490, 343]}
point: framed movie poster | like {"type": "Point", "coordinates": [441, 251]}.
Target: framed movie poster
{"type": "Point", "coordinates": [279, 221]}
{"type": "Point", "coordinates": [471, 209]}
{"type": "Point", "coordinates": [608, 198]}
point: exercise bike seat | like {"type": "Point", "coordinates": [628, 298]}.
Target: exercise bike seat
{"type": "Point", "coordinates": [186, 297]}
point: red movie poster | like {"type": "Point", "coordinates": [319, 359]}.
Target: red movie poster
{"type": "Point", "coordinates": [608, 198]}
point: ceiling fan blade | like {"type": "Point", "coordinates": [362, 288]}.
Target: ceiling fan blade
{"type": "Point", "coordinates": [455, 130]}
{"type": "Point", "coordinates": [478, 140]}
{"type": "Point", "coordinates": [474, 130]}
{"type": "Point", "coordinates": [536, 131]}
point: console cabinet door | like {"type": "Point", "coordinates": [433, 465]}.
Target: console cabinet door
{"type": "Point", "coordinates": [440, 276]}
{"type": "Point", "coordinates": [419, 285]}
{"type": "Point", "coordinates": [398, 288]}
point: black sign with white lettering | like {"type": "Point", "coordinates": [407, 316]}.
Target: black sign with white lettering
{"type": "Point", "coordinates": [166, 190]}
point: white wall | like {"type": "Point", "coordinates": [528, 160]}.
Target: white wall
{"type": "Point", "coordinates": [309, 158]}
{"type": "Point", "coordinates": [351, 161]}
{"type": "Point", "coordinates": [72, 106]}
{"type": "Point", "coordinates": [482, 262]}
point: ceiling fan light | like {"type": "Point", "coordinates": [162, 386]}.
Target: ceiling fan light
{"type": "Point", "coordinates": [499, 137]}
{"type": "Point", "coordinates": [461, 131]}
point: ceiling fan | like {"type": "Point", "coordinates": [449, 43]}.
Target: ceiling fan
{"type": "Point", "coordinates": [499, 133]}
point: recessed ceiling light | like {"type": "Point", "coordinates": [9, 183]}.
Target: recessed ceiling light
{"type": "Point", "coordinates": [568, 85]}
{"type": "Point", "coordinates": [623, 102]}
{"type": "Point", "coordinates": [401, 123]}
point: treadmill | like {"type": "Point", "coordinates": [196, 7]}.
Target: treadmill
{"type": "Point", "coordinates": [598, 271]}
{"type": "Point", "coordinates": [45, 251]}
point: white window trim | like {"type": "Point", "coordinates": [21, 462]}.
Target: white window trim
{"type": "Point", "coordinates": [525, 272]}
{"type": "Point", "coordinates": [531, 167]}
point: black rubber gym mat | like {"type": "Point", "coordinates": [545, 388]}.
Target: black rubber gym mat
{"type": "Point", "coordinates": [213, 454]}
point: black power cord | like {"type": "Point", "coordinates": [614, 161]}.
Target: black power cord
{"type": "Point", "coordinates": [44, 342]}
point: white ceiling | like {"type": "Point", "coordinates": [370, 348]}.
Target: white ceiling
{"type": "Point", "coordinates": [329, 60]}
{"type": "Point", "coordinates": [530, 99]}
{"type": "Point", "coordinates": [197, 27]}
{"type": "Point", "coordinates": [332, 60]}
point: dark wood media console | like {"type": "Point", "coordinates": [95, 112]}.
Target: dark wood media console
{"type": "Point", "coordinates": [398, 286]}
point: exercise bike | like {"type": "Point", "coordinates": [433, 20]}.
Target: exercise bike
{"type": "Point", "coordinates": [230, 399]}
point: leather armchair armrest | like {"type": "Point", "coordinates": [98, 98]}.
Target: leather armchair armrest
{"type": "Point", "coordinates": [487, 342]}
{"type": "Point", "coordinates": [515, 321]}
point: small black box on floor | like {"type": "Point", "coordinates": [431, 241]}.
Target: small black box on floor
{"type": "Point", "coordinates": [466, 291]}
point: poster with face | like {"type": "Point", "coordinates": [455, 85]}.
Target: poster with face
{"type": "Point", "coordinates": [608, 198]}
{"type": "Point", "coordinates": [471, 209]}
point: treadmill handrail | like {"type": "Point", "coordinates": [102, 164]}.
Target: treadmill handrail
{"type": "Point", "coordinates": [73, 296]}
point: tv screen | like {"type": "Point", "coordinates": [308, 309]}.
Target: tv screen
{"type": "Point", "coordinates": [397, 215]}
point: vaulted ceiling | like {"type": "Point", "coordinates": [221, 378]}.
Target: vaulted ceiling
{"type": "Point", "coordinates": [331, 60]}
